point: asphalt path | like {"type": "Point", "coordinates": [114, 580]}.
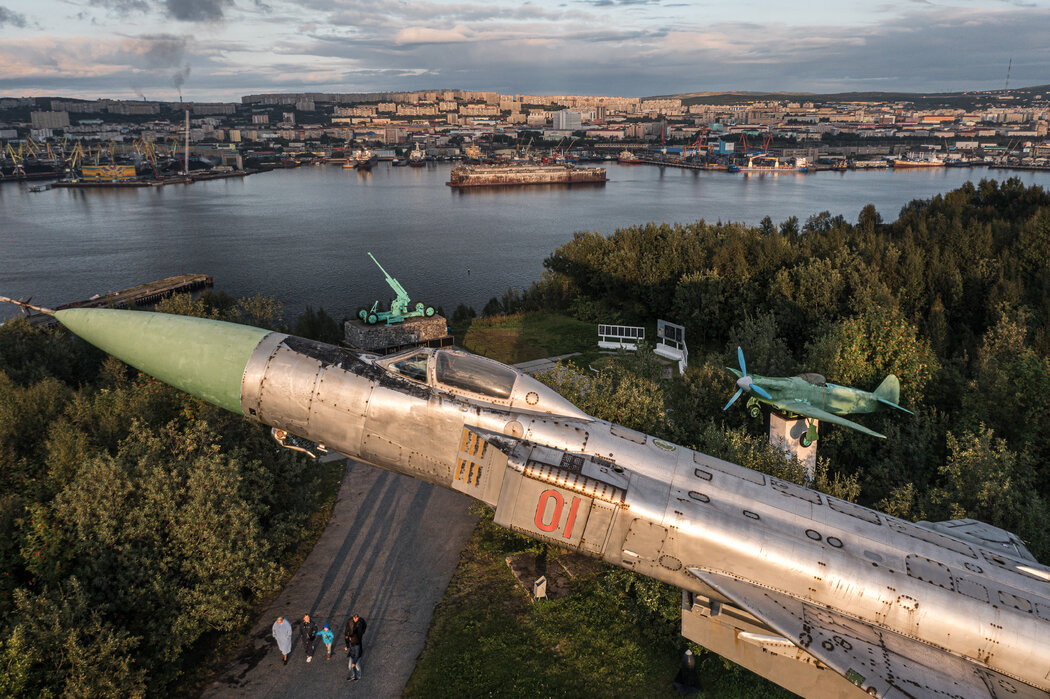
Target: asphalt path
{"type": "Point", "coordinates": [388, 553]}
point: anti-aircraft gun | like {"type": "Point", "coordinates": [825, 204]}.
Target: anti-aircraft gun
{"type": "Point", "coordinates": [398, 306]}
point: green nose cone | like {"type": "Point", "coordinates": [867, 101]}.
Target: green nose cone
{"type": "Point", "coordinates": [202, 357]}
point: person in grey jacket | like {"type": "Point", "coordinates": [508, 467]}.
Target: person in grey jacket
{"type": "Point", "coordinates": [282, 633]}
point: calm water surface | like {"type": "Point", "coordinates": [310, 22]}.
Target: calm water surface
{"type": "Point", "coordinates": [302, 235]}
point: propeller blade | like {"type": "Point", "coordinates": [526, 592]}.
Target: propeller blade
{"type": "Point", "coordinates": [733, 399]}
{"type": "Point", "coordinates": [755, 388]}
{"type": "Point", "coordinates": [740, 358]}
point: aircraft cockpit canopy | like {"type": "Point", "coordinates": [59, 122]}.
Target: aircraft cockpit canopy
{"type": "Point", "coordinates": [475, 374]}
{"type": "Point", "coordinates": [815, 379]}
{"type": "Point", "coordinates": [414, 366]}
{"type": "Point", "coordinates": [480, 379]}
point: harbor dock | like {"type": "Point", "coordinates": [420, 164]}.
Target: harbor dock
{"type": "Point", "coordinates": [142, 295]}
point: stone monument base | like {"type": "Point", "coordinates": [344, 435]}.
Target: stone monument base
{"type": "Point", "coordinates": [385, 339]}
{"type": "Point", "coordinates": [788, 433]}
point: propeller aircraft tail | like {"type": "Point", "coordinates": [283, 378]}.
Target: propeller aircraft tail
{"type": "Point", "coordinates": [889, 393]}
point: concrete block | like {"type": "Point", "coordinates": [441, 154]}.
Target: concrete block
{"type": "Point", "coordinates": [375, 338]}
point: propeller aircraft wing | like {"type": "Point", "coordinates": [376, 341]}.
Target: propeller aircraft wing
{"type": "Point", "coordinates": [805, 409]}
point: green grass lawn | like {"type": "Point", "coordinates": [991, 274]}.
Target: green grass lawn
{"type": "Point", "coordinates": [521, 337]}
{"type": "Point", "coordinates": [616, 634]}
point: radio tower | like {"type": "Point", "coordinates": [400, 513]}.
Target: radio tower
{"type": "Point", "coordinates": [1008, 67]}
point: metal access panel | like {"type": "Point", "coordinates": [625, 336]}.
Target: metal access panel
{"type": "Point", "coordinates": [542, 510]}
{"type": "Point", "coordinates": [479, 468]}
{"type": "Point", "coordinates": [287, 389]}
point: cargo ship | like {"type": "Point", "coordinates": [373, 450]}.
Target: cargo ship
{"type": "Point", "coordinates": [512, 175]}
{"type": "Point", "coordinates": [770, 163]}
{"type": "Point", "coordinates": [907, 162]}
{"type": "Point", "coordinates": [417, 158]}
{"type": "Point", "coordinates": [364, 159]}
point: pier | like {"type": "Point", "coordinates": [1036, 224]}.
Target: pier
{"type": "Point", "coordinates": [144, 294]}
{"type": "Point", "coordinates": [136, 296]}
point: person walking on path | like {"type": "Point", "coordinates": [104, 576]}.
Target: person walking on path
{"type": "Point", "coordinates": [308, 634]}
{"type": "Point", "coordinates": [282, 633]}
{"type": "Point", "coordinates": [353, 635]}
{"type": "Point", "coordinates": [327, 637]}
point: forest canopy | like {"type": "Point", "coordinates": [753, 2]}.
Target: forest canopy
{"type": "Point", "coordinates": [139, 526]}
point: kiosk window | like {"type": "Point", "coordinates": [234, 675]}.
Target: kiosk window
{"type": "Point", "coordinates": [475, 374]}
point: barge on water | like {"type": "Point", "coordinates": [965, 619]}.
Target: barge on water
{"type": "Point", "coordinates": [513, 175]}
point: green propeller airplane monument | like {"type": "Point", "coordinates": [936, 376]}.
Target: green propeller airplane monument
{"type": "Point", "coordinates": [811, 396]}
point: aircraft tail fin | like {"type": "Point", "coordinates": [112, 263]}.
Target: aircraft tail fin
{"type": "Point", "coordinates": [889, 392]}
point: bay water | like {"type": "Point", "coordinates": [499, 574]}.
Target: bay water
{"type": "Point", "coordinates": [301, 235]}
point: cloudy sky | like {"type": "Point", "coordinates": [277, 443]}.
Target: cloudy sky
{"type": "Point", "coordinates": [222, 49]}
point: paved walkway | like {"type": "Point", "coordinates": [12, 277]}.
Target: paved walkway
{"type": "Point", "coordinates": [388, 552]}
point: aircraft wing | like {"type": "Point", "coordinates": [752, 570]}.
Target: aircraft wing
{"type": "Point", "coordinates": [878, 661]}
{"type": "Point", "coordinates": [809, 410]}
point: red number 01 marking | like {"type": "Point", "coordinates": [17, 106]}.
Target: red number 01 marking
{"type": "Point", "coordinates": [555, 522]}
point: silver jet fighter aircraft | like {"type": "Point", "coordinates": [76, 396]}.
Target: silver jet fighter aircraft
{"type": "Point", "coordinates": [822, 596]}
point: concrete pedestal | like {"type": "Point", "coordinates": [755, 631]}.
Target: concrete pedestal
{"type": "Point", "coordinates": [787, 433]}
{"type": "Point", "coordinates": [381, 338]}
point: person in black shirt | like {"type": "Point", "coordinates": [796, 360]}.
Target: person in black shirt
{"type": "Point", "coordinates": [308, 635]}
{"type": "Point", "coordinates": [353, 634]}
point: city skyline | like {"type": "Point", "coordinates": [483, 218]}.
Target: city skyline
{"type": "Point", "coordinates": [222, 49]}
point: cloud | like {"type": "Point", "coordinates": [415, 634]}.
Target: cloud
{"type": "Point", "coordinates": [620, 3]}
{"type": "Point", "coordinates": [12, 18]}
{"type": "Point", "coordinates": [182, 10]}
{"type": "Point", "coordinates": [122, 8]}
{"type": "Point", "coordinates": [427, 35]}
{"type": "Point", "coordinates": [197, 10]}
{"type": "Point", "coordinates": [377, 45]}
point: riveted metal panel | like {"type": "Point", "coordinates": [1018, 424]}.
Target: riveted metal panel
{"type": "Point", "coordinates": [643, 542]}
{"type": "Point", "coordinates": [255, 372]}
{"type": "Point", "coordinates": [380, 450]}
{"type": "Point", "coordinates": [288, 389]}
{"type": "Point", "coordinates": [543, 511]}
{"type": "Point", "coordinates": [599, 523]}
{"type": "Point", "coordinates": [337, 409]}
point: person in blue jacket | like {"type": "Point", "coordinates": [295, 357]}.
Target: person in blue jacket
{"type": "Point", "coordinates": [327, 637]}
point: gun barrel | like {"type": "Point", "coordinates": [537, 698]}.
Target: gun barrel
{"type": "Point", "coordinates": [387, 274]}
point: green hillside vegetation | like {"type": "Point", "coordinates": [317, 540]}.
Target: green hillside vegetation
{"type": "Point", "coordinates": [139, 527]}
